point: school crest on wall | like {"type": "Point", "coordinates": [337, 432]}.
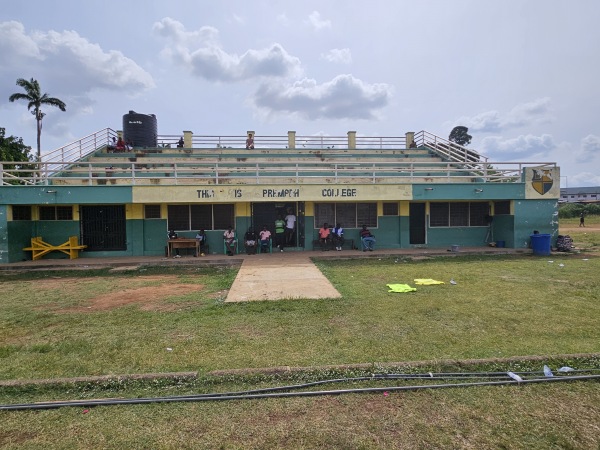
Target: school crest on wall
{"type": "Point", "coordinates": [542, 182]}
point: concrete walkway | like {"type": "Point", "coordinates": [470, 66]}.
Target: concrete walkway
{"type": "Point", "coordinates": [274, 277]}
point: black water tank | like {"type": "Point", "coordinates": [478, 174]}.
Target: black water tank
{"type": "Point", "coordinates": [140, 129]}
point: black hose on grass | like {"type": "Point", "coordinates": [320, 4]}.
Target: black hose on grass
{"type": "Point", "coordinates": [269, 393]}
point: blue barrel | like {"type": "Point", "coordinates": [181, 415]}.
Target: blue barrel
{"type": "Point", "coordinates": [540, 243]}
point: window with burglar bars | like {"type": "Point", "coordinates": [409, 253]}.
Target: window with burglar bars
{"type": "Point", "coordinates": [195, 217]}
{"type": "Point", "coordinates": [21, 212]}
{"type": "Point", "coordinates": [390, 209]}
{"type": "Point", "coordinates": [350, 215]}
{"type": "Point", "coordinates": [151, 211]}
{"type": "Point", "coordinates": [502, 208]}
{"type": "Point", "coordinates": [56, 213]}
{"type": "Point", "coordinates": [458, 214]}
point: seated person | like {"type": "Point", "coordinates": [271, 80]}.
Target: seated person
{"type": "Point", "coordinates": [120, 146]}
{"type": "Point", "coordinates": [265, 237]}
{"type": "Point", "coordinates": [367, 239]}
{"type": "Point", "coordinates": [413, 144]}
{"type": "Point", "coordinates": [172, 235]}
{"type": "Point", "coordinates": [337, 236]}
{"type": "Point", "coordinates": [201, 238]}
{"type": "Point", "coordinates": [112, 146]}
{"type": "Point", "coordinates": [324, 236]}
{"type": "Point", "coordinates": [250, 142]}
{"type": "Point", "coordinates": [250, 241]}
{"type": "Point", "coordinates": [230, 240]}
{"type": "Point", "coordinates": [180, 143]}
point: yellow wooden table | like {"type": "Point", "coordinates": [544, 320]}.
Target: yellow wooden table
{"type": "Point", "coordinates": [39, 248]}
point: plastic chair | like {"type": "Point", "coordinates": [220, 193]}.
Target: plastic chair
{"type": "Point", "coordinates": [237, 247]}
{"type": "Point", "coordinates": [270, 246]}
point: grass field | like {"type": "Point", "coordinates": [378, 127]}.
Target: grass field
{"type": "Point", "coordinates": [98, 322]}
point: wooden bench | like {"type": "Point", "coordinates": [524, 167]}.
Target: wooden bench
{"type": "Point", "coordinates": [39, 248]}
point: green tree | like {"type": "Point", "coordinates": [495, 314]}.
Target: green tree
{"type": "Point", "coordinates": [36, 99]}
{"type": "Point", "coordinates": [12, 149]}
{"type": "Point", "coordinates": [460, 135]}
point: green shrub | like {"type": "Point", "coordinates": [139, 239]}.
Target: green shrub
{"type": "Point", "coordinates": [571, 210]}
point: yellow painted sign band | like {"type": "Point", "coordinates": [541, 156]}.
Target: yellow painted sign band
{"type": "Point", "coordinates": [266, 193]}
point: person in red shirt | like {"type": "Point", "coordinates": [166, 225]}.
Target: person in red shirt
{"type": "Point", "coordinates": [367, 238]}
{"type": "Point", "coordinates": [324, 237]}
{"type": "Point", "coordinates": [120, 145]}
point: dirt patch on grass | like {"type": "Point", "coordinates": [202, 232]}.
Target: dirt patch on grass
{"type": "Point", "coordinates": [593, 227]}
{"type": "Point", "coordinates": [148, 298]}
{"type": "Point", "coordinates": [127, 291]}
{"type": "Point", "coordinates": [63, 282]}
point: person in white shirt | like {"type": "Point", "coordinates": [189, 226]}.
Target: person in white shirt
{"type": "Point", "coordinates": [337, 236]}
{"type": "Point", "coordinates": [230, 241]}
{"type": "Point", "coordinates": [290, 226]}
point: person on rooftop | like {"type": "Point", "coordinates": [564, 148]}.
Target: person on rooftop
{"type": "Point", "coordinates": [250, 142]}
{"type": "Point", "coordinates": [120, 146]}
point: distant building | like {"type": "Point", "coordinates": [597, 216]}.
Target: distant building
{"type": "Point", "coordinates": [580, 194]}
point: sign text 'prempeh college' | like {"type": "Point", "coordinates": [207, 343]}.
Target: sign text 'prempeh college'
{"type": "Point", "coordinates": [284, 193]}
{"type": "Point", "coordinates": [149, 194]}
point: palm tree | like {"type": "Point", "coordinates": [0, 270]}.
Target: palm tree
{"type": "Point", "coordinates": [36, 99]}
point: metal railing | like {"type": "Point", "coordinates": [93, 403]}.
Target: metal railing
{"type": "Point", "coordinates": [449, 150]}
{"type": "Point", "coordinates": [68, 164]}
{"type": "Point", "coordinates": [80, 148]}
{"type": "Point", "coordinates": [177, 171]}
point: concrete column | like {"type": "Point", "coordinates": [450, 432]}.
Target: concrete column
{"type": "Point", "coordinates": [119, 134]}
{"type": "Point", "coordinates": [187, 139]}
{"type": "Point", "coordinates": [410, 138]}
{"type": "Point", "coordinates": [352, 139]}
{"type": "Point", "coordinates": [291, 139]}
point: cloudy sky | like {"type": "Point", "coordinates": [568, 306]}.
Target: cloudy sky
{"type": "Point", "coordinates": [523, 76]}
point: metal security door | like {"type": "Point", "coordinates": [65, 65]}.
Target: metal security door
{"type": "Point", "coordinates": [417, 223]}
{"type": "Point", "coordinates": [103, 227]}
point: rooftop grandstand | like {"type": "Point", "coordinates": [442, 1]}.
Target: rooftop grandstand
{"type": "Point", "coordinates": [223, 160]}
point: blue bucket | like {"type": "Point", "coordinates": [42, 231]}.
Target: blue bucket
{"type": "Point", "coordinates": [540, 243]}
{"type": "Point", "coordinates": [500, 244]}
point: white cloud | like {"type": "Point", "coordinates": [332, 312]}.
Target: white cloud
{"type": "Point", "coordinates": [522, 146]}
{"type": "Point", "coordinates": [283, 20]}
{"type": "Point", "coordinates": [338, 55]}
{"type": "Point", "coordinates": [175, 31]}
{"type": "Point", "coordinates": [15, 43]}
{"type": "Point", "coordinates": [590, 148]}
{"type": "Point", "coordinates": [344, 97]}
{"type": "Point", "coordinates": [314, 19]}
{"type": "Point", "coordinates": [201, 53]}
{"type": "Point", "coordinates": [523, 115]}
{"type": "Point", "coordinates": [71, 64]}
{"type": "Point", "coordinates": [584, 179]}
